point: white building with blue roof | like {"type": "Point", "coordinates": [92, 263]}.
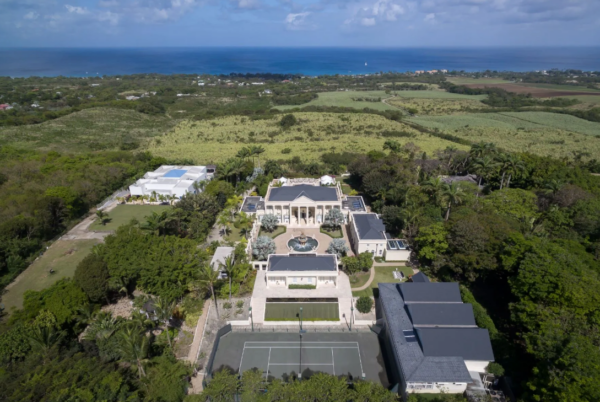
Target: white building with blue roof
{"type": "Point", "coordinates": [170, 181]}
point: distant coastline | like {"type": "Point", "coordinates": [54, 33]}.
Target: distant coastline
{"type": "Point", "coordinates": [308, 61]}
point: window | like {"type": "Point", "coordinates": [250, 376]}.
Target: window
{"type": "Point", "coordinates": [380, 252]}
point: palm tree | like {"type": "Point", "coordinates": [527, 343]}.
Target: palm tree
{"type": "Point", "coordinates": [244, 153]}
{"type": "Point", "coordinates": [207, 277]}
{"type": "Point", "coordinates": [514, 165]}
{"type": "Point", "coordinates": [230, 269]}
{"type": "Point", "coordinates": [410, 215]}
{"type": "Point", "coordinates": [434, 187]}
{"type": "Point", "coordinates": [503, 162]}
{"type": "Point", "coordinates": [223, 220]}
{"type": "Point", "coordinates": [164, 310]}
{"type": "Point", "coordinates": [453, 194]}
{"type": "Point", "coordinates": [199, 185]}
{"type": "Point", "coordinates": [43, 339]}
{"type": "Point", "coordinates": [103, 326]}
{"type": "Point", "coordinates": [484, 166]}
{"type": "Point", "coordinates": [144, 199]}
{"type": "Point", "coordinates": [257, 150]}
{"type": "Point", "coordinates": [155, 222]}
{"type": "Point", "coordinates": [133, 347]}
{"type": "Point", "coordinates": [102, 217]}
{"type": "Point", "coordinates": [553, 186]}
{"type": "Point", "coordinates": [85, 315]}
{"type": "Point", "coordinates": [482, 149]}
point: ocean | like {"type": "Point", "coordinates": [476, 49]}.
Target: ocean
{"type": "Point", "coordinates": [309, 61]}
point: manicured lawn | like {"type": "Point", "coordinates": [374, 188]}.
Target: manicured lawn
{"type": "Point", "coordinates": [122, 214]}
{"type": "Point", "coordinates": [383, 275]}
{"type": "Point", "coordinates": [63, 256]}
{"type": "Point", "coordinates": [336, 234]}
{"type": "Point", "coordinates": [362, 278]}
{"type": "Point", "coordinates": [278, 231]}
{"type": "Point", "coordinates": [235, 234]}
{"type": "Point", "coordinates": [310, 311]}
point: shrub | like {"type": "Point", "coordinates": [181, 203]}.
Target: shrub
{"type": "Point", "coordinates": [286, 151]}
{"type": "Point", "coordinates": [292, 286]}
{"type": "Point", "coordinates": [227, 305]}
{"type": "Point", "coordinates": [338, 247]}
{"type": "Point", "coordinates": [288, 121]}
{"type": "Point", "coordinates": [239, 304]}
{"type": "Point", "coordinates": [364, 304]}
{"type": "Point", "coordinates": [269, 222]}
{"type": "Point", "coordinates": [495, 369]}
{"type": "Point", "coordinates": [262, 247]}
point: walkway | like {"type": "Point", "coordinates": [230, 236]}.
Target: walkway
{"type": "Point", "coordinates": [81, 230]}
{"type": "Point", "coordinates": [196, 380]}
{"type": "Point", "coordinates": [366, 285]}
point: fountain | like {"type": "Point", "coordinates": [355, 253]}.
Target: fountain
{"type": "Point", "coordinates": [303, 243]}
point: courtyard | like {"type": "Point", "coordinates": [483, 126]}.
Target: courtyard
{"type": "Point", "coordinates": [281, 241]}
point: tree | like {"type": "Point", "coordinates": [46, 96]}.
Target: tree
{"type": "Point", "coordinates": [453, 194]}
{"type": "Point", "coordinates": [338, 247]}
{"type": "Point", "coordinates": [432, 241]}
{"type": "Point", "coordinates": [334, 218]}
{"type": "Point", "coordinates": [262, 247]}
{"type": "Point", "coordinates": [207, 277]}
{"type": "Point", "coordinates": [288, 121]}
{"type": "Point", "coordinates": [269, 222]}
{"type": "Point", "coordinates": [243, 153]}
{"type": "Point", "coordinates": [367, 391]}
{"type": "Point", "coordinates": [514, 203]}
{"type": "Point", "coordinates": [257, 150]}
{"type": "Point", "coordinates": [484, 167]}
{"type": "Point", "coordinates": [364, 304]}
{"type": "Point", "coordinates": [393, 146]}
{"type": "Point", "coordinates": [164, 311]}
{"type": "Point", "coordinates": [92, 276]}
{"type": "Point", "coordinates": [230, 269]}
{"type": "Point", "coordinates": [133, 347]}
{"type": "Point", "coordinates": [435, 188]}
{"type": "Point", "coordinates": [495, 369]}
{"type": "Point", "coordinates": [102, 217]}
{"type": "Point", "coordinates": [222, 387]}
{"type": "Point", "coordinates": [155, 222]}
{"type": "Point", "coordinates": [351, 264]}
{"type": "Point", "coordinates": [43, 339]}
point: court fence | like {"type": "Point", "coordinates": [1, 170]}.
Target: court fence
{"type": "Point", "coordinates": [209, 365]}
{"type": "Point", "coordinates": [307, 329]}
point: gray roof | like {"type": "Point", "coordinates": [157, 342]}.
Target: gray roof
{"type": "Point", "coordinates": [302, 262]}
{"type": "Point", "coordinates": [253, 204]}
{"type": "Point", "coordinates": [315, 193]}
{"type": "Point", "coordinates": [219, 257]}
{"type": "Point", "coordinates": [354, 203]}
{"type": "Point", "coordinates": [413, 364]}
{"type": "Point", "coordinates": [369, 227]}
{"type": "Point", "coordinates": [420, 277]}
{"type": "Point", "coordinates": [430, 292]}
{"type": "Point", "coordinates": [441, 314]}
{"type": "Point", "coordinates": [468, 343]}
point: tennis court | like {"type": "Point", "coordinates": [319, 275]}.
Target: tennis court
{"type": "Point", "coordinates": [280, 355]}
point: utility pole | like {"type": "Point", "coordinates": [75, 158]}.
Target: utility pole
{"type": "Point", "coordinates": [251, 318]}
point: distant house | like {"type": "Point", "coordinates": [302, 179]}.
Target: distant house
{"type": "Point", "coordinates": [431, 338]}
{"type": "Point", "coordinates": [35, 105]}
{"type": "Point", "coordinates": [218, 260]}
{"type": "Point", "coordinates": [170, 181]}
{"type": "Point", "coordinates": [268, 92]}
{"type": "Point", "coordinates": [258, 83]}
{"type": "Point", "coordinates": [4, 106]}
{"type": "Point", "coordinates": [132, 98]}
{"type": "Point", "coordinates": [469, 178]}
{"type": "Point", "coordinates": [95, 85]}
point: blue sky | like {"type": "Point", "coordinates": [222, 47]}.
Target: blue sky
{"type": "Point", "coordinates": [361, 23]}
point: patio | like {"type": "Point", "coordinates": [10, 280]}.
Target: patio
{"type": "Point", "coordinates": [281, 241]}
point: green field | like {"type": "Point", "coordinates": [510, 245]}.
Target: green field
{"type": "Point", "coordinates": [344, 99]}
{"type": "Point", "coordinates": [382, 275]}
{"type": "Point", "coordinates": [122, 214]}
{"type": "Point", "coordinates": [557, 87]}
{"type": "Point", "coordinates": [467, 81]}
{"type": "Point", "coordinates": [437, 95]}
{"type": "Point", "coordinates": [586, 101]}
{"type": "Point", "coordinates": [62, 256]}
{"type": "Point", "coordinates": [542, 133]}
{"type": "Point", "coordinates": [310, 311]}
{"type": "Point", "coordinates": [216, 140]}
{"type": "Point", "coordinates": [87, 130]}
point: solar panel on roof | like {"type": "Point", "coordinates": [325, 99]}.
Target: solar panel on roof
{"type": "Point", "coordinates": [251, 206]}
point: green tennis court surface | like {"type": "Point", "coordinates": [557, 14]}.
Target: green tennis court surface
{"type": "Point", "coordinates": [310, 311]}
{"type": "Point", "coordinates": [281, 355]}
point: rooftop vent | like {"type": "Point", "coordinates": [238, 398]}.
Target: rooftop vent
{"type": "Point", "coordinates": [409, 336]}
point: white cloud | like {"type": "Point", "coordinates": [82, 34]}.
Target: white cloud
{"type": "Point", "coordinates": [76, 10]}
{"type": "Point", "coordinates": [380, 11]}
{"type": "Point", "coordinates": [430, 18]}
{"type": "Point", "coordinates": [32, 15]}
{"type": "Point", "coordinates": [298, 21]}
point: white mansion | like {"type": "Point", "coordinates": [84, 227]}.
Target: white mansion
{"type": "Point", "coordinates": [302, 202]}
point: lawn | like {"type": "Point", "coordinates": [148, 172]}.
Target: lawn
{"type": "Point", "coordinates": [87, 130]}
{"type": "Point", "coordinates": [278, 231]}
{"type": "Point", "coordinates": [346, 99]}
{"type": "Point", "coordinates": [382, 275]}
{"type": "Point", "coordinates": [541, 133]}
{"type": "Point", "coordinates": [62, 256]}
{"type": "Point", "coordinates": [335, 234]}
{"type": "Point", "coordinates": [436, 95]}
{"type": "Point", "coordinates": [235, 234]}
{"type": "Point", "coordinates": [122, 214]}
{"type": "Point", "coordinates": [439, 106]}
{"type": "Point", "coordinates": [218, 139]}
{"type": "Point", "coordinates": [310, 311]}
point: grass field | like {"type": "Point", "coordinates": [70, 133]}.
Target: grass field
{"type": "Point", "coordinates": [88, 130]}
{"type": "Point", "coordinates": [438, 107]}
{"type": "Point", "coordinates": [310, 311]}
{"type": "Point", "coordinates": [467, 81]}
{"type": "Point", "coordinates": [556, 87]}
{"type": "Point", "coordinates": [437, 95]}
{"type": "Point", "coordinates": [382, 275]}
{"type": "Point", "coordinates": [62, 256]}
{"type": "Point", "coordinates": [542, 133]}
{"type": "Point", "coordinates": [122, 214]}
{"type": "Point", "coordinates": [218, 139]}
{"type": "Point", "coordinates": [345, 99]}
